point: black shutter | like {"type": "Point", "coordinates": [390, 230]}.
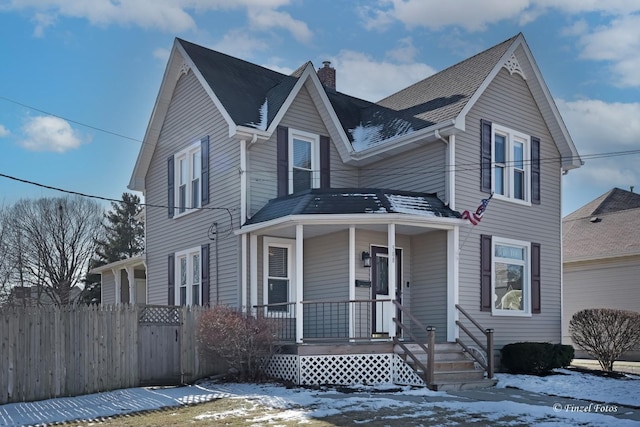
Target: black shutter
{"type": "Point", "coordinates": [535, 170]}
{"type": "Point", "coordinates": [485, 156]}
{"type": "Point", "coordinates": [283, 161]}
{"type": "Point", "coordinates": [171, 280]}
{"type": "Point", "coordinates": [170, 187]}
{"type": "Point", "coordinates": [205, 275]}
{"type": "Point", "coordinates": [535, 278]}
{"type": "Point", "coordinates": [486, 261]}
{"type": "Point", "coordinates": [204, 166]}
{"type": "Point", "coordinates": [325, 162]}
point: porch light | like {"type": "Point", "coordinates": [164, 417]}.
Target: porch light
{"type": "Point", "coordinates": [366, 259]}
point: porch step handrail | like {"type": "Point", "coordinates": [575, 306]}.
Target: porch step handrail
{"type": "Point", "coordinates": [428, 349]}
{"type": "Point", "coordinates": [487, 348]}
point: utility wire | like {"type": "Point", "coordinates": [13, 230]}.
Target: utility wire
{"type": "Point", "coordinates": [119, 135]}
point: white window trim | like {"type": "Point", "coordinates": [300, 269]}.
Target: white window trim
{"type": "Point", "coordinates": [187, 153]}
{"type": "Point", "coordinates": [290, 244]}
{"type": "Point", "coordinates": [511, 136]}
{"type": "Point", "coordinates": [315, 156]}
{"type": "Point", "coordinates": [526, 282]}
{"type": "Point", "coordinates": [186, 253]}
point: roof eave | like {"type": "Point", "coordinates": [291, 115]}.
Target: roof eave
{"type": "Point", "coordinates": [129, 262]}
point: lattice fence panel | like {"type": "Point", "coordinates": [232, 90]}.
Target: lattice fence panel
{"type": "Point", "coordinates": [284, 366]}
{"type": "Point", "coordinates": [403, 373]}
{"type": "Point", "coordinates": [159, 315]}
{"type": "Point", "coordinates": [346, 369]}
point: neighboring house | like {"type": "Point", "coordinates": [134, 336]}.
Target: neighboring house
{"type": "Point", "coordinates": [602, 258]}
{"type": "Point", "coordinates": [28, 296]}
{"type": "Point", "coordinates": [123, 281]}
{"type": "Point", "coordinates": [279, 191]}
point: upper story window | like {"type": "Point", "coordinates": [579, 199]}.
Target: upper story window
{"type": "Point", "coordinates": [188, 179]}
{"type": "Point", "coordinates": [304, 161]}
{"type": "Point", "coordinates": [511, 164]}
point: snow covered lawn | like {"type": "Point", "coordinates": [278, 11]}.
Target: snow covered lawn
{"type": "Point", "coordinates": [571, 399]}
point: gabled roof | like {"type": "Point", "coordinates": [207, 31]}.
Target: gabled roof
{"type": "Point", "coordinates": [606, 227]}
{"type": "Point", "coordinates": [253, 99]}
{"type": "Point", "coordinates": [334, 201]}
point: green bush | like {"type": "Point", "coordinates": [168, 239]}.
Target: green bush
{"type": "Point", "coordinates": [535, 357]}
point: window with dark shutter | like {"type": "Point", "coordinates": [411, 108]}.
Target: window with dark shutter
{"type": "Point", "coordinates": [283, 161]}
{"type": "Point", "coordinates": [325, 162]}
{"type": "Point", "coordinates": [205, 275]}
{"type": "Point", "coordinates": [535, 170]}
{"type": "Point", "coordinates": [535, 278]}
{"type": "Point", "coordinates": [204, 169]}
{"type": "Point", "coordinates": [485, 156]}
{"type": "Point", "coordinates": [170, 187]}
{"type": "Point", "coordinates": [171, 280]}
{"type": "Point", "coordinates": [486, 262]}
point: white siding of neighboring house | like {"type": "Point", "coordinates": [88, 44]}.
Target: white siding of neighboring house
{"type": "Point", "coordinates": [107, 288]}
{"type": "Point", "coordinates": [508, 102]}
{"type": "Point", "coordinates": [191, 116]}
{"type": "Point", "coordinates": [608, 283]}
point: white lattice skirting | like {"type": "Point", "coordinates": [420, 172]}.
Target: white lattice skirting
{"type": "Point", "coordinates": [351, 369]}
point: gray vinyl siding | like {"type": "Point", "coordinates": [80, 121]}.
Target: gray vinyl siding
{"type": "Point", "coordinates": [107, 288]}
{"type": "Point", "coordinates": [261, 157]}
{"type": "Point", "coordinates": [191, 116]}
{"type": "Point", "coordinates": [429, 283]}
{"type": "Point", "coordinates": [611, 283]}
{"type": "Point", "coordinates": [420, 170]}
{"type": "Point", "coordinates": [508, 102]}
{"type": "Point", "coordinates": [326, 267]}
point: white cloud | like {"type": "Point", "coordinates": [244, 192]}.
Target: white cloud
{"type": "Point", "coordinates": [383, 77]}
{"type": "Point", "coordinates": [598, 128]}
{"type": "Point", "coordinates": [240, 43]}
{"type": "Point", "coordinates": [4, 131]}
{"type": "Point", "coordinates": [162, 54]}
{"type": "Point", "coordinates": [405, 52]}
{"type": "Point", "coordinates": [474, 15]}
{"type": "Point", "coordinates": [266, 19]}
{"type": "Point", "coordinates": [48, 133]}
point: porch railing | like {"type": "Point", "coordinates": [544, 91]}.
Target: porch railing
{"type": "Point", "coordinates": [329, 321]}
{"type": "Point", "coordinates": [486, 346]}
{"type": "Point", "coordinates": [429, 348]}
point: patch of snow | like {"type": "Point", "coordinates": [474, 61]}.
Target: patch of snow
{"type": "Point", "coordinates": [410, 205]}
{"type": "Point", "coordinates": [365, 136]}
{"type": "Point", "coordinates": [579, 386]}
{"type": "Point", "coordinates": [264, 109]}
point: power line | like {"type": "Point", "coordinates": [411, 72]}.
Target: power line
{"type": "Point", "coordinates": [119, 135]}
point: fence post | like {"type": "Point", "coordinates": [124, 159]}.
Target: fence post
{"type": "Point", "coordinates": [431, 344]}
{"type": "Point", "coordinates": [489, 333]}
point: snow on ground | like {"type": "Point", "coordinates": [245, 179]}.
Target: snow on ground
{"type": "Point", "coordinates": [504, 405]}
{"type": "Point", "coordinates": [579, 386]}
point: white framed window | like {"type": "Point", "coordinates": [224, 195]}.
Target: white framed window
{"type": "Point", "coordinates": [511, 174]}
{"type": "Point", "coordinates": [511, 277]}
{"type": "Point", "coordinates": [304, 161]}
{"type": "Point", "coordinates": [188, 172]}
{"type": "Point", "coordinates": [188, 290]}
{"type": "Point", "coordinates": [279, 276]}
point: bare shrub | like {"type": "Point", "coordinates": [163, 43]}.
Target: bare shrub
{"type": "Point", "coordinates": [245, 343]}
{"type": "Point", "coordinates": [606, 333]}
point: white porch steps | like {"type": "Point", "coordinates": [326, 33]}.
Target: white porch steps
{"type": "Point", "coordinates": [453, 370]}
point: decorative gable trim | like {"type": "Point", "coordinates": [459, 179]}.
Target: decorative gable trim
{"type": "Point", "coordinates": [184, 70]}
{"type": "Point", "coordinates": [513, 66]}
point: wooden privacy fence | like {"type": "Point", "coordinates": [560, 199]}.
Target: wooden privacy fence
{"type": "Point", "coordinates": [50, 352]}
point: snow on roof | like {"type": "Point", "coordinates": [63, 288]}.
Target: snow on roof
{"type": "Point", "coordinates": [264, 109]}
{"type": "Point", "coordinates": [415, 205]}
{"type": "Point", "coordinates": [372, 134]}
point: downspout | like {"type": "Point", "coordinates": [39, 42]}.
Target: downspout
{"type": "Point", "coordinates": [243, 219]}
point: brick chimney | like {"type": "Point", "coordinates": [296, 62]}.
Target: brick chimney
{"type": "Point", "coordinates": [327, 75]}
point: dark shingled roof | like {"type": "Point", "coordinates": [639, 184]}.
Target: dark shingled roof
{"type": "Point", "coordinates": [605, 227]}
{"type": "Point", "coordinates": [353, 201]}
{"type": "Point", "coordinates": [243, 88]}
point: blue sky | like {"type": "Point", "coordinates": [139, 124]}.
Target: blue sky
{"type": "Point", "coordinates": [79, 78]}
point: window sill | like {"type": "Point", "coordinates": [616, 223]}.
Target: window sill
{"type": "Point", "coordinates": [510, 313]}
{"type": "Point", "coordinates": [185, 213]}
{"type": "Point", "coordinates": [512, 200]}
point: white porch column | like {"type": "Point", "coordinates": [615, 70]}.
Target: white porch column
{"type": "Point", "coordinates": [352, 277]}
{"type": "Point", "coordinates": [118, 282]}
{"type": "Point", "coordinates": [391, 241]}
{"type": "Point", "coordinates": [453, 262]}
{"type": "Point", "coordinates": [299, 281]}
{"type": "Point", "coordinates": [243, 276]}
{"type": "Point", "coordinates": [253, 262]}
{"type": "Point", "coordinates": [132, 284]}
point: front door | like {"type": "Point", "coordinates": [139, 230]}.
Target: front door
{"type": "Point", "coordinates": [383, 311]}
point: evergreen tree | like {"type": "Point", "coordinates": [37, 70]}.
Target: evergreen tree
{"type": "Point", "coordinates": [123, 237]}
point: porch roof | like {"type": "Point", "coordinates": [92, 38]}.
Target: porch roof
{"type": "Point", "coordinates": [341, 201]}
